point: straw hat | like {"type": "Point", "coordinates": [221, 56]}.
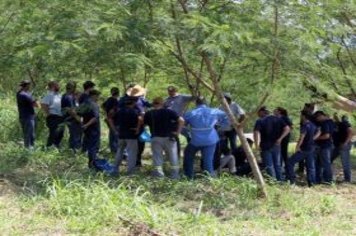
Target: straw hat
{"type": "Point", "coordinates": [136, 91]}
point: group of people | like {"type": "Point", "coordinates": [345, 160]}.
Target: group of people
{"type": "Point", "coordinates": [206, 129]}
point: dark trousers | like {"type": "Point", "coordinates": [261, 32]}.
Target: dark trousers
{"type": "Point", "coordinates": [284, 153]}
{"type": "Point", "coordinates": [272, 161]}
{"type": "Point", "coordinates": [113, 141]}
{"type": "Point", "coordinates": [141, 148]}
{"type": "Point", "coordinates": [28, 129]}
{"type": "Point", "coordinates": [323, 165]}
{"type": "Point", "coordinates": [75, 135]}
{"type": "Point", "coordinates": [55, 130]}
{"type": "Point", "coordinates": [92, 138]}
{"type": "Point", "coordinates": [231, 137]}
{"type": "Point", "coordinates": [220, 146]}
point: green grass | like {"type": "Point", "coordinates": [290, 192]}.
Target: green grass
{"type": "Point", "coordinates": [54, 193]}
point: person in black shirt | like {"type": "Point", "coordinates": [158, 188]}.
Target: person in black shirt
{"type": "Point", "coordinates": [305, 149]}
{"type": "Point", "coordinates": [26, 104]}
{"type": "Point", "coordinates": [283, 114]}
{"type": "Point", "coordinates": [324, 148]}
{"type": "Point", "coordinates": [271, 130]}
{"type": "Point", "coordinates": [111, 106]}
{"type": "Point", "coordinates": [70, 117]}
{"type": "Point", "coordinates": [342, 143]}
{"type": "Point", "coordinates": [165, 125]}
{"type": "Point", "coordinates": [91, 127]}
{"type": "Point", "coordinates": [127, 123]}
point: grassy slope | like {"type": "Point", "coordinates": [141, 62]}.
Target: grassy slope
{"type": "Point", "coordinates": [52, 193]}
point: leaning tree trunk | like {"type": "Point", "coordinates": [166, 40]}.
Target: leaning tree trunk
{"type": "Point", "coordinates": [250, 156]}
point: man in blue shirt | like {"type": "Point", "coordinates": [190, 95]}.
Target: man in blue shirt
{"type": "Point", "coordinates": [51, 105]}
{"type": "Point", "coordinates": [305, 149]}
{"type": "Point", "coordinates": [70, 117]}
{"type": "Point", "coordinates": [269, 132]}
{"type": "Point", "coordinates": [25, 105]}
{"type": "Point", "coordinates": [91, 127]}
{"type": "Point", "coordinates": [202, 121]}
{"type": "Point", "coordinates": [110, 106]}
{"type": "Point", "coordinates": [324, 148]}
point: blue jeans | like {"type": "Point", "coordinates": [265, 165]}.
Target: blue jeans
{"type": "Point", "coordinates": [309, 156]}
{"type": "Point", "coordinates": [323, 165]}
{"type": "Point", "coordinates": [113, 141]}
{"type": "Point", "coordinates": [93, 142]}
{"type": "Point", "coordinates": [344, 153]}
{"type": "Point", "coordinates": [28, 128]}
{"type": "Point", "coordinates": [75, 135]}
{"type": "Point", "coordinates": [272, 160]}
{"type": "Point", "coordinates": [207, 156]}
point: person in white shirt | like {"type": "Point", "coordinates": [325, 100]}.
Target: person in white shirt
{"type": "Point", "coordinates": [51, 105]}
{"type": "Point", "coordinates": [228, 131]}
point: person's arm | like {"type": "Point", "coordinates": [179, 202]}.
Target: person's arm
{"type": "Point", "coordinates": [180, 125]}
{"type": "Point", "coordinates": [317, 134]}
{"type": "Point", "coordinates": [326, 134]}
{"type": "Point", "coordinates": [112, 125]}
{"type": "Point", "coordinates": [139, 124]}
{"type": "Point", "coordinates": [256, 138]}
{"type": "Point", "coordinates": [300, 141]}
{"type": "Point", "coordinates": [90, 122]}
{"type": "Point", "coordinates": [45, 108]}
{"type": "Point", "coordinates": [286, 131]}
{"type": "Point", "coordinates": [349, 137]}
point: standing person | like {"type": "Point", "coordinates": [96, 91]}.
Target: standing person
{"type": "Point", "coordinates": [269, 132]}
{"type": "Point", "coordinates": [51, 105]}
{"type": "Point", "coordinates": [91, 127]}
{"type": "Point", "coordinates": [111, 106]}
{"type": "Point", "coordinates": [324, 148]}
{"type": "Point", "coordinates": [283, 114]}
{"type": "Point", "coordinates": [26, 104]}
{"type": "Point", "coordinates": [70, 117]}
{"type": "Point", "coordinates": [165, 125]}
{"type": "Point", "coordinates": [138, 93]}
{"type": "Point", "coordinates": [305, 149]}
{"type": "Point", "coordinates": [127, 123]}
{"type": "Point", "coordinates": [84, 100]}
{"type": "Point", "coordinates": [85, 97]}
{"type": "Point", "coordinates": [228, 131]}
{"type": "Point", "coordinates": [202, 121]}
{"type": "Point", "coordinates": [178, 103]}
{"type": "Point", "coordinates": [343, 145]}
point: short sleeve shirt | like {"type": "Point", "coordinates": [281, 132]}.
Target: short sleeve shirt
{"type": "Point", "coordinates": [68, 101]}
{"type": "Point", "coordinates": [309, 130]}
{"type": "Point", "coordinates": [93, 112]}
{"type": "Point", "coordinates": [25, 103]}
{"type": "Point", "coordinates": [342, 132]}
{"type": "Point", "coordinates": [53, 101]}
{"type": "Point", "coordinates": [178, 103]}
{"type": "Point", "coordinates": [110, 104]}
{"type": "Point", "coordinates": [162, 122]}
{"type": "Point", "coordinates": [202, 121]}
{"type": "Point", "coordinates": [270, 128]}
{"type": "Point", "coordinates": [326, 127]}
{"type": "Point", "coordinates": [84, 98]}
{"type": "Point", "coordinates": [126, 119]}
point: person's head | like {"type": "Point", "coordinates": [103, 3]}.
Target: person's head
{"type": "Point", "coordinates": [305, 116]}
{"type": "Point", "coordinates": [309, 107]}
{"type": "Point", "coordinates": [280, 111]}
{"type": "Point", "coordinates": [344, 118]}
{"type": "Point", "coordinates": [88, 85]}
{"type": "Point", "coordinates": [25, 85]}
{"type": "Point", "coordinates": [172, 91]}
{"type": "Point", "coordinates": [200, 101]}
{"type": "Point", "coordinates": [53, 86]}
{"type": "Point", "coordinates": [115, 92]}
{"type": "Point", "coordinates": [94, 95]}
{"type": "Point", "coordinates": [158, 102]}
{"type": "Point", "coordinates": [130, 102]}
{"type": "Point", "coordinates": [71, 87]}
{"type": "Point", "coordinates": [262, 112]}
{"type": "Point", "coordinates": [228, 98]}
{"type": "Point", "coordinates": [320, 116]}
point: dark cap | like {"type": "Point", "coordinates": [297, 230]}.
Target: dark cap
{"type": "Point", "coordinates": [319, 113]}
{"type": "Point", "coordinates": [88, 84]}
{"type": "Point", "coordinates": [23, 83]}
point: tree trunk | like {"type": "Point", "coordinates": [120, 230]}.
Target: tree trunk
{"type": "Point", "coordinates": [250, 156]}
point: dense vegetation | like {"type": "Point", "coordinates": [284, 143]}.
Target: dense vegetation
{"type": "Point", "coordinates": [279, 53]}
